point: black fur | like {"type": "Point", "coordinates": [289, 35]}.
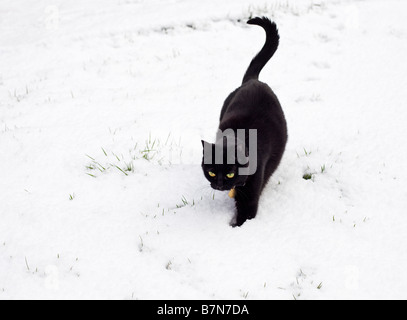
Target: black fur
{"type": "Point", "coordinates": [252, 106]}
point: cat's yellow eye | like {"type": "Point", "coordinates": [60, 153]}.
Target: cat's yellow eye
{"type": "Point", "coordinates": [230, 175]}
{"type": "Point", "coordinates": [211, 174]}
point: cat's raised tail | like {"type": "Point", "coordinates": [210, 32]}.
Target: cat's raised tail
{"type": "Point", "coordinates": [268, 50]}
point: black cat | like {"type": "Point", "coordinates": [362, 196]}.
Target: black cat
{"type": "Point", "coordinates": [251, 107]}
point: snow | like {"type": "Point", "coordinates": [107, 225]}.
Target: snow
{"type": "Point", "coordinates": [103, 106]}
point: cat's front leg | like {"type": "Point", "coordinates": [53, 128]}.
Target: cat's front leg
{"type": "Point", "coordinates": [246, 208]}
{"type": "Point", "coordinates": [247, 198]}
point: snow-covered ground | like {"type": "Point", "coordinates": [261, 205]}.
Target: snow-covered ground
{"type": "Point", "coordinates": [102, 108]}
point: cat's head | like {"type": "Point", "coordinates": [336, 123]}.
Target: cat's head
{"type": "Point", "coordinates": [222, 169]}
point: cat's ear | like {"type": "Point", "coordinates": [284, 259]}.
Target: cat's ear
{"type": "Point", "coordinates": [207, 152]}
{"type": "Point", "coordinates": [204, 143]}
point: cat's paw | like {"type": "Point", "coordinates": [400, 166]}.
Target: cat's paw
{"type": "Point", "coordinates": [239, 221]}
{"type": "Point", "coordinates": [234, 224]}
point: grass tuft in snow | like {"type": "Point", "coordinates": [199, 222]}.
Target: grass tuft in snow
{"type": "Point", "coordinates": [271, 9]}
{"type": "Point", "coordinates": [184, 203]}
{"type": "Point", "coordinates": [26, 264]}
{"type": "Point", "coordinates": [141, 244]}
{"type": "Point", "coordinates": [307, 176]}
{"type": "Point", "coordinates": [154, 151]}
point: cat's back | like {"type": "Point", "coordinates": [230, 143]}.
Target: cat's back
{"type": "Point", "coordinates": [252, 103]}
